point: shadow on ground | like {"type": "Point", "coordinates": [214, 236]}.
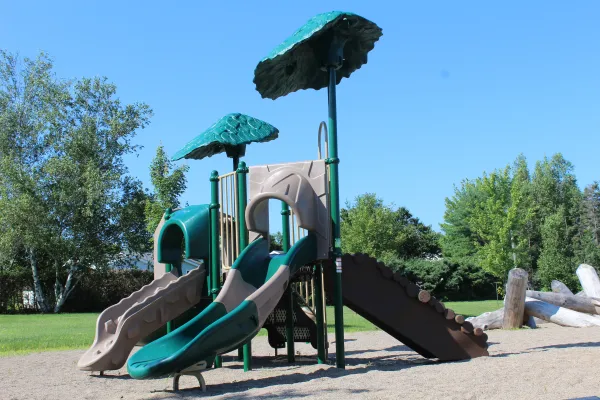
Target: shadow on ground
{"type": "Point", "coordinates": [236, 390]}
{"type": "Point", "coordinates": [549, 347]}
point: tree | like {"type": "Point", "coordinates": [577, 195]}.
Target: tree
{"type": "Point", "coordinates": [368, 226]}
{"type": "Point", "coordinates": [509, 218]}
{"type": "Point", "coordinates": [591, 211]}
{"type": "Point", "coordinates": [169, 183]}
{"type": "Point", "coordinates": [62, 174]}
{"type": "Point", "coordinates": [276, 242]}
{"type": "Point", "coordinates": [556, 259]}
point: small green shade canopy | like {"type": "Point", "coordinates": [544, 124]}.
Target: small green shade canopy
{"type": "Point", "coordinates": [230, 134]}
{"type": "Point", "coordinates": [300, 61]}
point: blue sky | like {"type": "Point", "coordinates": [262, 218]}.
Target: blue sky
{"type": "Point", "coordinates": [452, 89]}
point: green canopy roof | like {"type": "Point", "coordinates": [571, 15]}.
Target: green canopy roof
{"type": "Point", "coordinates": [230, 134]}
{"type": "Point", "coordinates": [299, 62]}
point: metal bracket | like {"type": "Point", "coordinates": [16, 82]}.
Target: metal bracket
{"type": "Point", "coordinates": [194, 370]}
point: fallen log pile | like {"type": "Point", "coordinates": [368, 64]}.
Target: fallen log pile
{"type": "Point", "coordinates": [561, 306]}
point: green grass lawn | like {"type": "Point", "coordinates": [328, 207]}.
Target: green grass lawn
{"type": "Point", "coordinates": [22, 334]}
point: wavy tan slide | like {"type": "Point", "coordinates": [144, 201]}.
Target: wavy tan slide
{"type": "Point", "coordinates": [121, 326]}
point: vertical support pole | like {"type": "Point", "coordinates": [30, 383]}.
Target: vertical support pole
{"type": "Point", "coordinates": [215, 270]}
{"type": "Point", "coordinates": [243, 239]}
{"type": "Point", "coordinates": [319, 309]}
{"type": "Point", "coordinates": [169, 268]}
{"type": "Point", "coordinates": [334, 193]}
{"type": "Point", "coordinates": [289, 294]}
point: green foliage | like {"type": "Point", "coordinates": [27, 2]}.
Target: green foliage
{"type": "Point", "coordinates": [64, 192]}
{"type": "Point", "coordinates": [368, 226]}
{"type": "Point", "coordinates": [445, 279]}
{"type": "Point", "coordinates": [169, 183]}
{"type": "Point", "coordinates": [540, 222]}
{"type": "Point", "coordinates": [556, 259]}
{"type": "Point", "coordinates": [276, 242]}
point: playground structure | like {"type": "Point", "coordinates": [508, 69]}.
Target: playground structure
{"type": "Point", "coordinates": [240, 287]}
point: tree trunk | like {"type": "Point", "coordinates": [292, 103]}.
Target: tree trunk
{"type": "Point", "coordinates": [40, 299]}
{"type": "Point", "coordinates": [559, 315]}
{"type": "Point", "coordinates": [63, 293]}
{"type": "Point", "coordinates": [488, 320]}
{"type": "Point", "coordinates": [514, 301]}
{"type": "Point", "coordinates": [559, 287]}
{"type": "Point", "coordinates": [589, 280]}
{"type": "Point", "coordinates": [586, 305]}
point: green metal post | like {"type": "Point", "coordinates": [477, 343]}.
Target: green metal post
{"type": "Point", "coordinates": [169, 268]}
{"type": "Point", "coordinates": [334, 190]}
{"type": "Point", "coordinates": [215, 270]}
{"type": "Point", "coordinates": [243, 239]}
{"type": "Point", "coordinates": [321, 358]}
{"type": "Point", "coordinates": [289, 295]}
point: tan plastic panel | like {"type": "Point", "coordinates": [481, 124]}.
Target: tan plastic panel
{"type": "Point", "coordinates": [121, 326]}
{"type": "Point", "coordinates": [303, 186]}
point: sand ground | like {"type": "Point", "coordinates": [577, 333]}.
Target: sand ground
{"type": "Point", "coordinates": [550, 362]}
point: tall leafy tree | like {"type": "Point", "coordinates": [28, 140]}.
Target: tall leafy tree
{"type": "Point", "coordinates": [168, 182]}
{"type": "Point", "coordinates": [369, 226]}
{"type": "Point", "coordinates": [62, 174]}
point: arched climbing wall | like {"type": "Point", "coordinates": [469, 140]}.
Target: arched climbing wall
{"type": "Point", "coordinates": [303, 186]}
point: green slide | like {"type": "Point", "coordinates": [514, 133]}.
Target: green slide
{"type": "Point", "coordinates": [253, 287]}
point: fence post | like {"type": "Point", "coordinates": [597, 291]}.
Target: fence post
{"type": "Point", "coordinates": [243, 240]}
{"type": "Point", "coordinates": [289, 294]}
{"type": "Point", "coordinates": [215, 273]}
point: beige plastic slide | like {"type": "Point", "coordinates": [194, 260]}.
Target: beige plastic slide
{"type": "Point", "coordinates": [121, 326]}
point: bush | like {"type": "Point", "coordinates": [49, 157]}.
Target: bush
{"type": "Point", "coordinates": [100, 289]}
{"type": "Point", "coordinates": [95, 291]}
{"type": "Point", "coordinates": [445, 280]}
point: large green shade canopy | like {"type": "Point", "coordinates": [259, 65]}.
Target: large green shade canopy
{"type": "Point", "coordinates": [230, 134]}
{"type": "Point", "coordinates": [300, 62]}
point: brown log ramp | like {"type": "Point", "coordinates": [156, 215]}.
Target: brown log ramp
{"type": "Point", "coordinates": [374, 292]}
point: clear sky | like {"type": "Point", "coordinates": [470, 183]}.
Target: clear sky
{"type": "Point", "coordinates": [452, 89]}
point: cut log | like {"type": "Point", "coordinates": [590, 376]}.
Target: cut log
{"type": "Point", "coordinates": [450, 314]}
{"type": "Point", "coordinates": [514, 301]}
{"type": "Point", "coordinates": [478, 331]}
{"type": "Point", "coordinates": [589, 280]}
{"type": "Point", "coordinates": [459, 319]}
{"type": "Point", "coordinates": [488, 320]}
{"type": "Point", "coordinates": [412, 290]}
{"type": "Point", "coordinates": [582, 304]}
{"type": "Point", "coordinates": [559, 287]}
{"type": "Point", "coordinates": [424, 296]}
{"type": "Point", "coordinates": [559, 315]}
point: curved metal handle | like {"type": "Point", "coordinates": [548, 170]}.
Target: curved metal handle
{"type": "Point", "coordinates": [321, 126]}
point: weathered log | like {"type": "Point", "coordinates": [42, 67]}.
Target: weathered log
{"type": "Point", "coordinates": [582, 304]}
{"type": "Point", "coordinates": [424, 296]}
{"type": "Point", "coordinates": [459, 319]}
{"type": "Point", "coordinates": [467, 327]}
{"type": "Point", "coordinates": [559, 315]}
{"type": "Point", "coordinates": [478, 331]}
{"type": "Point", "coordinates": [450, 314]}
{"type": "Point", "coordinates": [530, 321]}
{"type": "Point", "coordinates": [440, 307]}
{"type": "Point", "coordinates": [514, 301]}
{"type": "Point", "coordinates": [559, 287]}
{"type": "Point", "coordinates": [412, 290]}
{"type": "Point", "coordinates": [488, 320]}
{"type": "Point", "coordinates": [589, 280]}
